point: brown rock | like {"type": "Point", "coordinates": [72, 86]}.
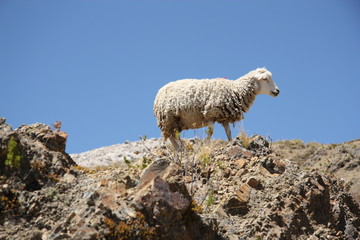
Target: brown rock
{"type": "Point", "coordinates": [158, 200]}
{"type": "Point", "coordinates": [265, 172]}
{"type": "Point", "coordinates": [159, 168]}
{"type": "Point", "coordinates": [247, 154]}
{"type": "Point", "coordinates": [235, 206]}
{"type": "Point", "coordinates": [166, 206]}
{"type": "Point", "coordinates": [53, 140]}
{"type": "Point", "coordinates": [188, 179]}
{"type": "Point", "coordinates": [253, 182]}
{"type": "Point", "coordinates": [39, 156]}
{"type": "Point", "coordinates": [68, 178]}
{"type": "Point", "coordinates": [219, 210]}
{"type": "Point", "coordinates": [226, 173]}
{"type": "Point", "coordinates": [234, 152]}
{"type": "Point", "coordinates": [240, 163]}
{"type": "Point", "coordinates": [243, 193]}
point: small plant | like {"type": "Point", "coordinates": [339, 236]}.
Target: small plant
{"type": "Point", "coordinates": [53, 177]}
{"type": "Point", "coordinates": [57, 125]}
{"type": "Point", "coordinates": [332, 146]}
{"type": "Point", "coordinates": [294, 144]}
{"type": "Point", "coordinates": [14, 155]}
{"type": "Point", "coordinates": [188, 147]}
{"type": "Point", "coordinates": [347, 186]}
{"type": "Point", "coordinates": [84, 169]}
{"type": "Point", "coordinates": [195, 207]}
{"type": "Point", "coordinates": [177, 134]}
{"type": "Point", "coordinates": [221, 165]}
{"type": "Point", "coordinates": [205, 159]}
{"type": "Point", "coordinates": [136, 228]}
{"type": "Point", "coordinates": [127, 162]}
{"type": "Point", "coordinates": [145, 162]}
{"type": "Point", "coordinates": [210, 131]}
{"type": "Point", "coordinates": [8, 202]}
{"type": "Point", "coordinates": [211, 198]}
{"type": "Point", "coordinates": [143, 138]}
{"type": "Point", "coordinates": [314, 145]}
{"type": "Point", "coordinates": [39, 166]}
{"type": "Point", "coordinates": [245, 140]}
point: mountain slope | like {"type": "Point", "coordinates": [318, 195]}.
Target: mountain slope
{"type": "Point", "coordinates": [244, 189]}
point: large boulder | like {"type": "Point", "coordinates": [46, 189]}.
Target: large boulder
{"type": "Point", "coordinates": [33, 155]}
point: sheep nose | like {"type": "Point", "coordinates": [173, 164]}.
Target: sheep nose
{"type": "Point", "coordinates": [276, 92]}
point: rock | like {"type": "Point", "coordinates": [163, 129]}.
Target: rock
{"type": "Point", "coordinates": [258, 142]}
{"type": "Point", "coordinates": [240, 163]}
{"type": "Point", "coordinates": [227, 173]}
{"type": "Point", "coordinates": [341, 159]}
{"type": "Point", "coordinates": [156, 169]}
{"type": "Point", "coordinates": [253, 182]}
{"type": "Point", "coordinates": [53, 140]}
{"type": "Point", "coordinates": [5, 129]}
{"type": "Point", "coordinates": [235, 206]}
{"type": "Point", "coordinates": [68, 178]}
{"type": "Point", "coordinates": [235, 152]}
{"type": "Point", "coordinates": [159, 201]}
{"type": "Point", "coordinates": [35, 235]}
{"type": "Point", "coordinates": [243, 193]}
{"type": "Point", "coordinates": [237, 193]}
{"type": "Point", "coordinates": [33, 154]}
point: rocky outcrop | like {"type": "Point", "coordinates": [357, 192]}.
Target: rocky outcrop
{"type": "Point", "coordinates": [31, 157]}
{"type": "Point", "coordinates": [254, 194]}
{"type": "Point", "coordinates": [239, 191]}
{"type": "Point", "coordinates": [342, 160]}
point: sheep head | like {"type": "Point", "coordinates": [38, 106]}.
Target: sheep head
{"type": "Point", "coordinates": [264, 83]}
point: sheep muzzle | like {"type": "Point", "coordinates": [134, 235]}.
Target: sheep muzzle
{"type": "Point", "coordinates": [276, 92]}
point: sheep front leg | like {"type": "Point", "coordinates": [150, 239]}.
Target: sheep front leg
{"type": "Point", "coordinates": [227, 130]}
{"type": "Point", "coordinates": [174, 142]}
{"type": "Point", "coordinates": [210, 131]}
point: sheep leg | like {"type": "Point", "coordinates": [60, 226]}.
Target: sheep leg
{"type": "Point", "coordinates": [227, 130]}
{"type": "Point", "coordinates": [175, 143]}
{"type": "Point", "coordinates": [210, 131]}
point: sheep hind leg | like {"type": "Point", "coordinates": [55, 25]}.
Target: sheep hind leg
{"type": "Point", "coordinates": [210, 131]}
{"type": "Point", "coordinates": [227, 131]}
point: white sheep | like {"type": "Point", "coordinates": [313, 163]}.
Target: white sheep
{"type": "Point", "coordinates": [196, 103]}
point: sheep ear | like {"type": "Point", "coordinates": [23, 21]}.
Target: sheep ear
{"type": "Point", "coordinates": [264, 78]}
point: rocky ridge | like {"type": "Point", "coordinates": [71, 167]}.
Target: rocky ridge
{"type": "Point", "coordinates": [242, 190]}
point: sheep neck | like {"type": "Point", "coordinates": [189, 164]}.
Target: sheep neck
{"type": "Point", "coordinates": [247, 92]}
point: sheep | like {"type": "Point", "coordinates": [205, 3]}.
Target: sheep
{"type": "Point", "coordinates": [196, 103]}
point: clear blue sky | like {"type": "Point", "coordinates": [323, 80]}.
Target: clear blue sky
{"type": "Point", "coordinates": [97, 65]}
